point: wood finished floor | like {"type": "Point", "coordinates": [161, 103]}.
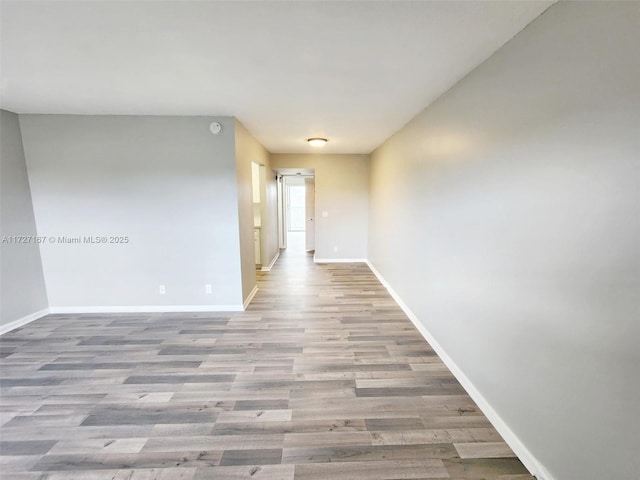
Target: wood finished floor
{"type": "Point", "coordinates": [323, 377]}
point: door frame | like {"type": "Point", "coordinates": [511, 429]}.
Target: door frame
{"type": "Point", "coordinates": [282, 204]}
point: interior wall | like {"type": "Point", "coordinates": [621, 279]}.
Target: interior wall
{"type": "Point", "coordinates": [268, 214]}
{"type": "Point", "coordinates": [163, 188]}
{"type": "Point", "coordinates": [249, 150]}
{"type": "Point", "coordinates": [270, 245]}
{"type": "Point", "coordinates": [22, 287]}
{"type": "Point", "coordinates": [507, 217]}
{"type": "Point", "coordinates": [342, 191]}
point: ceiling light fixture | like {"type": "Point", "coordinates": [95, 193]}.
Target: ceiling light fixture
{"type": "Point", "coordinates": [317, 142]}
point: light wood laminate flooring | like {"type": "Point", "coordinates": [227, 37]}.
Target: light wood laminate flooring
{"type": "Point", "coordinates": [323, 377]}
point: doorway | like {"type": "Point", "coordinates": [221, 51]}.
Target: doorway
{"type": "Point", "coordinates": [296, 206]}
{"type": "Point", "coordinates": [258, 192]}
{"type": "Point", "coordinates": [296, 209]}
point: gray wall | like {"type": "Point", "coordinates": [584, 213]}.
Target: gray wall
{"type": "Point", "coordinates": [22, 286]}
{"type": "Point", "coordinates": [507, 217]}
{"type": "Point", "coordinates": [166, 183]}
{"type": "Point", "coordinates": [342, 191]}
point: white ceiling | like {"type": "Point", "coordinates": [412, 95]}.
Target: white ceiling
{"type": "Point", "coordinates": [352, 71]}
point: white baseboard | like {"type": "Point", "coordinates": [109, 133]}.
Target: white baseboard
{"type": "Point", "coordinates": [526, 457]}
{"type": "Point", "coordinates": [147, 309]}
{"type": "Point", "coordinates": [271, 263]}
{"type": "Point", "coordinates": [249, 298]}
{"type": "Point", "coordinates": [339, 260]}
{"type": "Point", "coordinates": [23, 321]}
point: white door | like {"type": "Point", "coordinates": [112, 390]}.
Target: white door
{"type": "Point", "coordinates": [310, 213]}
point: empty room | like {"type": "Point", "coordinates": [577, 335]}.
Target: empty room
{"type": "Point", "coordinates": [290, 240]}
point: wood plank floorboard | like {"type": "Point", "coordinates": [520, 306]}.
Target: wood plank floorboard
{"type": "Point", "coordinates": [323, 377]}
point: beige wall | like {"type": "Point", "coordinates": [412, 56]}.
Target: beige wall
{"type": "Point", "coordinates": [269, 213]}
{"type": "Point", "coordinates": [507, 217]}
{"type": "Point", "coordinates": [249, 150]}
{"type": "Point", "coordinates": [342, 191]}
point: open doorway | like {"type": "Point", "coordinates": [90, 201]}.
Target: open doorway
{"type": "Point", "coordinates": [296, 213]}
{"type": "Point", "coordinates": [258, 187]}
{"type": "Point", "coordinates": [296, 198]}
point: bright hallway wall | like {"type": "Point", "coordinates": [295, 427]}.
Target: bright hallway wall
{"type": "Point", "coordinates": [342, 191]}
{"type": "Point", "coordinates": [165, 183]}
{"type": "Point", "coordinates": [507, 217]}
{"type": "Point", "coordinates": [249, 150]}
{"type": "Point", "coordinates": [23, 294]}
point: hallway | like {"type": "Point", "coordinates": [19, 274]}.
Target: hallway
{"type": "Point", "coordinates": [323, 377]}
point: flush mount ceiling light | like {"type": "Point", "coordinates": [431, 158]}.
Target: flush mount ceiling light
{"type": "Point", "coordinates": [317, 141]}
